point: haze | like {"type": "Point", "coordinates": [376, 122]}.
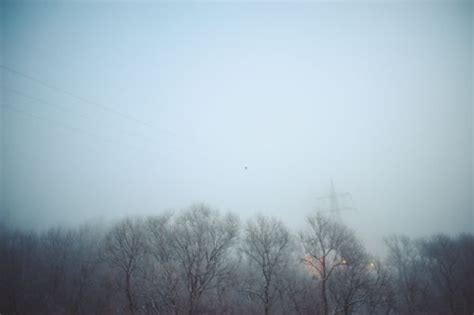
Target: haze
{"type": "Point", "coordinates": [138, 108]}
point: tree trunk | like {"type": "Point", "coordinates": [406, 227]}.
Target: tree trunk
{"type": "Point", "coordinates": [129, 294]}
{"type": "Point", "coordinates": [267, 300]}
{"type": "Point", "coordinates": [324, 297]}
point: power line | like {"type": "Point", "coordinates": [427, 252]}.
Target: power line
{"type": "Point", "coordinates": [85, 100]}
{"type": "Point", "coordinates": [87, 116]}
{"type": "Point", "coordinates": [64, 126]}
{"type": "Point", "coordinates": [56, 122]}
{"type": "Point", "coordinates": [60, 124]}
{"type": "Point", "coordinates": [30, 115]}
{"type": "Point", "coordinates": [40, 100]}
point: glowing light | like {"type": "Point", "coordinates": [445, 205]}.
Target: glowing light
{"type": "Point", "coordinates": [311, 265]}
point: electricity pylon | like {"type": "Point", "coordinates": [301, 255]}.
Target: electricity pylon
{"type": "Point", "coordinates": [333, 206]}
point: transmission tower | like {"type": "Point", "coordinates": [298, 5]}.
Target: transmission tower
{"type": "Point", "coordinates": [333, 202]}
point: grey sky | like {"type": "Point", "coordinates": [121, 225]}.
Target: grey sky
{"type": "Point", "coordinates": [376, 97]}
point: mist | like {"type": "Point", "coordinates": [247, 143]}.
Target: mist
{"type": "Point", "coordinates": [127, 117]}
{"type": "Point", "coordinates": [138, 108]}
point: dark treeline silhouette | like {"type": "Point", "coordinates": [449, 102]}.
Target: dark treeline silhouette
{"type": "Point", "coordinates": [199, 261]}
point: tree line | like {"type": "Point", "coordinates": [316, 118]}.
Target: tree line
{"type": "Point", "coordinates": [201, 261]}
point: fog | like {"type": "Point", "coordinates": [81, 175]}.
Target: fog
{"type": "Point", "coordinates": [116, 109]}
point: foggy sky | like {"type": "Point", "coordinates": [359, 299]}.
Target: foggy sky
{"type": "Point", "coordinates": [181, 97]}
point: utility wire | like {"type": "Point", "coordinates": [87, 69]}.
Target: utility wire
{"type": "Point", "coordinates": [70, 128]}
{"type": "Point", "coordinates": [16, 110]}
{"type": "Point", "coordinates": [40, 100]}
{"type": "Point", "coordinates": [60, 124]}
{"type": "Point", "coordinates": [78, 97]}
{"type": "Point", "coordinates": [87, 116]}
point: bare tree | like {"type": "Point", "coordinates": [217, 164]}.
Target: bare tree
{"type": "Point", "coordinates": [83, 268]}
{"type": "Point", "coordinates": [203, 241]}
{"type": "Point", "coordinates": [19, 287]}
{"type": "Point", "coordinates": [323, 242]}
{"type": "Point", "coordinates": [56, 256]}
{"type": "Point", "coordinates": [349, 283]}
{"type": "Point", "coordinates": [162, 270]}
{"type": "Point", "coordinates": [190, 263]}
{"type": "Point", "coordinates": [299, 287]}
{"type": "Point", "coordinates": [380, 297]}
{"type": "Point", "coordinates": [442, 258]}
{"type": "Point", "coordinates": [51, 272]}
{"type": "Point", "coordinates": [465, 271]}
{"type": "Point", "coordinates": [124, 248]}
{"type": "Point", "coordinates": [409, 274]}
{"type": "Point", "coordinates": [265, 244]}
